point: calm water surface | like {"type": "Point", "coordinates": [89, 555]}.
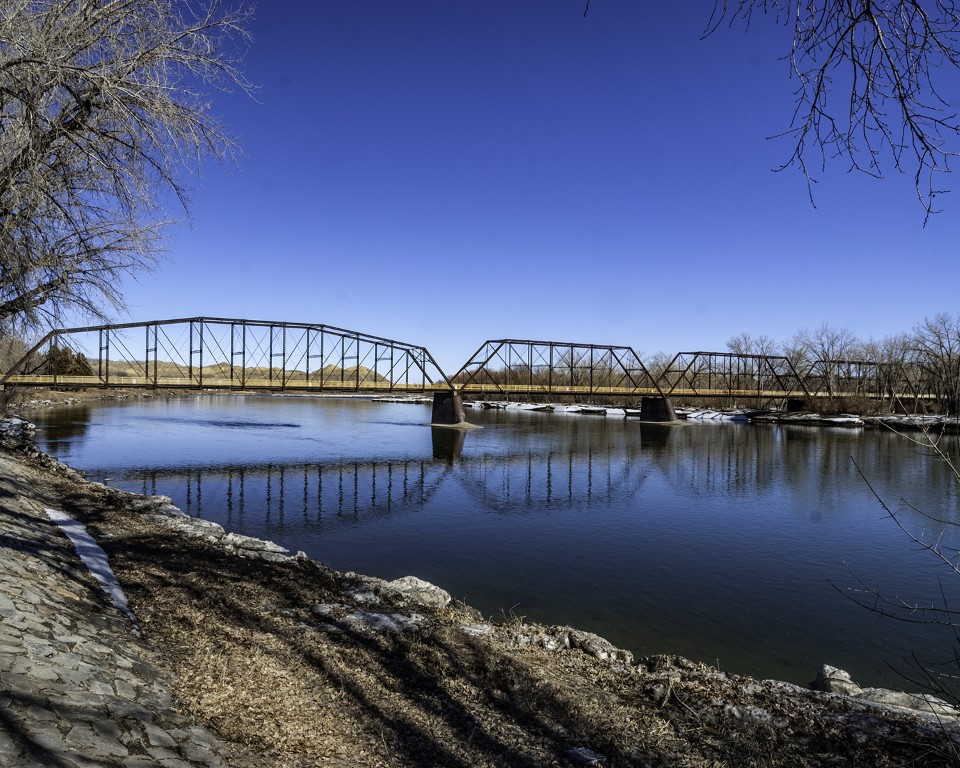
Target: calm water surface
{"type": "Point", "coordinates": [730, 543]}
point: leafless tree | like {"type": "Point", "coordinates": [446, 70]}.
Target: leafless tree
{"type": "Point", "coordinates": [936, 346]}
{"type": "Point", "coordinates": [656, 363]}
{"type": "Point", "coordinates": [829, 343]}
{"type": "Point", "coordinates": [896, 374]}
{"type": "Point", "coordinates": [104, 112]}
{"type": "Point", "coordinates": [741, 344]}
{"type": "Point", "coordinates": [797, 350]}
{"type": "Point", "coordinates": [868, 83]}
{"type": "Point", "coordinates": [764, 345]}
{"type": "Point", "coordinates": [815, 353]}
{"type": "Point", "coordinates": [12, 348]}
{"type": "Point", "coordinates": [747, 344]}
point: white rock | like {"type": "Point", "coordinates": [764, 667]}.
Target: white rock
{"type": "Point", "coordinates": [476, 630]}
{"type": "Point", "coordinates": [249, 542]}
{"type": "Point", "coordinates": [394, 623]}
{"type": "Point", "coordinates": [421, 592]}
{"type": "Point", "coordinates": [599, 647]}
{"type": "Point", "coordinates": [919, 702]}
{"type": "Point", "coordinates": [834, 680]}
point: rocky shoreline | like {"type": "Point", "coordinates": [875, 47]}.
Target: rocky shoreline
{"type": "Point", "coordinates": [404, 663]}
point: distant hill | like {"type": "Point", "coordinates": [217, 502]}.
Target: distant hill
{"type": "Point", "coordinates": [329, 375]}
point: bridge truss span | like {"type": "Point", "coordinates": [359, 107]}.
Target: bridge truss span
{"type": "Point", "coordinates": [729, 374]}
{"type": "Point", "coordinates": [506, 368]}
{"type": "Point", "coordinates": [861, 378]}
{"type": "Point", "coordinates": [221, 353]}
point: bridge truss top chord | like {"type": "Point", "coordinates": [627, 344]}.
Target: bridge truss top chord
{"type": "Point", "coordinates": [203, 352]}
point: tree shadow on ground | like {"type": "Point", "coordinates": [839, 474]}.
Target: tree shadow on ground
{"type": "Point", "coordinates": [259, 665]}
{"type": "Point", "coordinates": [430, 697]}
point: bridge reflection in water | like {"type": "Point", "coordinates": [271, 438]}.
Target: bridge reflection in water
{"type": "Point", "coordinates": [536, 482]}
{"type": "Point", "coordinates": [328, 495]}
{"type": "Point", "coordinates": [275, 496]}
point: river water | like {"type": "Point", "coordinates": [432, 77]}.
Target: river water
{"type": "Point", "coordinates": [735, 544]}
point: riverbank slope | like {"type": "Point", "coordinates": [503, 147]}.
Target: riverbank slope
{"type": "Point", "coordinates": [242, 655]}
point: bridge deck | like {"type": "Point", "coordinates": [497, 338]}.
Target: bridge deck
{"type": "Point", "coordinates": [375, 387]}
{"type": "Point", "coordinates": [506, 390]}
{"type": "Point", "coordinates": [184, 382]}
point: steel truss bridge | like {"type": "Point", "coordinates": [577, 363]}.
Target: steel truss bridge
{"type": "Point", "coordinates": [218, 353]}
{"type": "Point", "coordinates": [254, 355]}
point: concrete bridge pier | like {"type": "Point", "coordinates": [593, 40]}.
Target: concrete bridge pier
{"type": "Point", "coordinates": [448, 409]}
{"type": "Point", "coordinates": [657, 409]}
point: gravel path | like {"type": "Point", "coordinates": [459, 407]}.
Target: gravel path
{"type": "Point", "coordinates": [76, 686]}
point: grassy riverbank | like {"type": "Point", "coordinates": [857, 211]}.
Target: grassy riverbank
{"type": "Point", "coordinates": [271, 655]}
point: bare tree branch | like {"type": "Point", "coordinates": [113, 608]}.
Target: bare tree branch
{"type": "Point", "coordinates": [886, 58]}
{"type": "Point", "coordinates": [104, 111]}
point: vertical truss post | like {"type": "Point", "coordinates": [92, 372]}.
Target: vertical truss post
{"type": "Point", "coordinates": [50, 359]}
{"type": "Point", "coordinates": [190, 354]}
{"type": "Point", "coordinates": [200, 356]}
{"type": "Point", "coordinates": [270, 355]}
{"type": "Point", "coordinates": [151, 348]}
{"type": "Point", "coordinates": [241, 353]}
{"type": "Point", "coordinates": [591, 370]}
{"type": "Point", "coordinates": [530, 368]}
{"type": "Point", "coordinates": [307, 356]}
{"type": "Point", "coordinates": [233, 350]}
{"type": "Point", "coordinates": [550, 370]}
{"type": "Point", "coordinates": [243, 358]}
{"type": "Point", "coordinates": [283, 358]}
{"type": "Point", "coordinates": [103, 361]}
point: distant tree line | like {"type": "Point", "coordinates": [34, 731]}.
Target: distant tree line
{"type": "Point", "coordinates": [928, 357]}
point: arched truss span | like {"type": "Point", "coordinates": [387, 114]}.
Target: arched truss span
{"type": "Point", "coordinates": [219, 353]}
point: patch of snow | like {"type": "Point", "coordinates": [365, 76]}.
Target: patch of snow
{"type": "Point", "coordinates": [93, 557]}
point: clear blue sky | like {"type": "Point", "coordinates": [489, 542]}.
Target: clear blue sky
{"type": "Point", "coordinates": [447, 171]}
